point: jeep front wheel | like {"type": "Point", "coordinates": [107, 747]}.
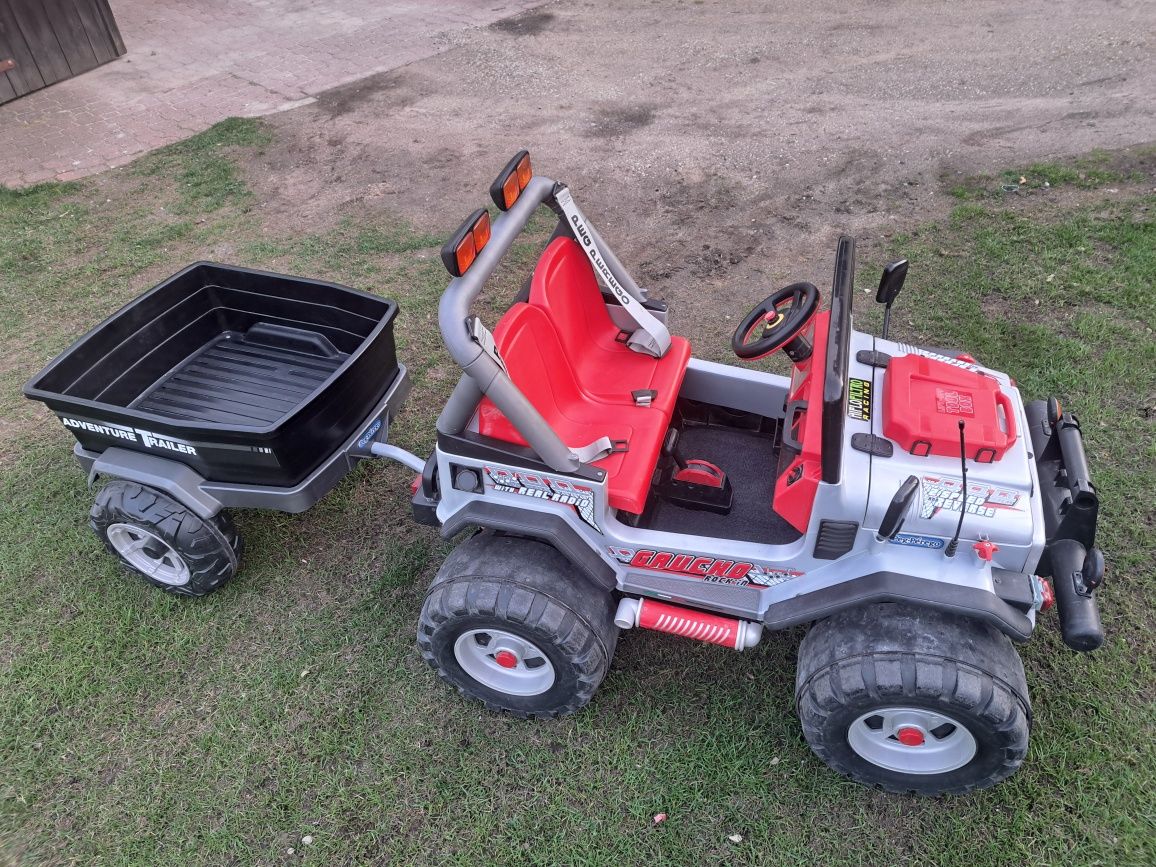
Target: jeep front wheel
{"type": "Point", "coordinates": [912, 700]}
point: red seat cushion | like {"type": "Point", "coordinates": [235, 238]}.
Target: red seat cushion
{"type": "Point", "coordinates": [538, 365]}
{"type": "Point", "coordinates": [564, 286]}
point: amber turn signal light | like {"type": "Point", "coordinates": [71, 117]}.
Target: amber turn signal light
{"type": "Point", "coordinates": [459, 252]}
{"type": "Point", "coordinates": [512, 180]}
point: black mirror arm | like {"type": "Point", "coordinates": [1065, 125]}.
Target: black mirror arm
{"type": "Point", "coordinates": [896, 512]}
{"type": "Point", "coordinates": [890, 284]}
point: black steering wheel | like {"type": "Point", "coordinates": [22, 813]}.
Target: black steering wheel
{"type": "Point", "coordinates": [776, 322]}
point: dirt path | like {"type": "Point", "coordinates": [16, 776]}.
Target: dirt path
{"type": "Point", "coordinates": [720, 145]}
{"type": "Point", "coordinates": [190, 65]}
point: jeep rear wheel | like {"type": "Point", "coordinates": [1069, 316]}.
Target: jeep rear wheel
{"type": "Point", "coordinates": [912, 700]}
{"type": "Point", "coordinates": [509, 623]}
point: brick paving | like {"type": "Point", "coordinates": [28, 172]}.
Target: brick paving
{"type": "Point", "coordinates": [190, 65]}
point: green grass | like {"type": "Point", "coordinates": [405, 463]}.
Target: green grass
{"type": "Point", "coordinates": [140, 729]}
{"type": "Point", "coordinates": [1093, 171]}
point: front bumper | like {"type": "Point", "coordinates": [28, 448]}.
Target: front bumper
{"type": "Point", "coordinates": [1071, 509]}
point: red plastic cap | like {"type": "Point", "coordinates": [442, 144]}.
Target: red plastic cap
{"type": "Point", "coordinates": [985, 549]}
{"type": "Point", "coordinates": [909, 737]}
{"type": "Point", "coordinates": [506, 659]}
{"type": "Point", "coordinates": [1047, 593]}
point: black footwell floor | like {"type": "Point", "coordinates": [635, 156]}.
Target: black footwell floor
{"type": "Point", "coordinates": [751, 462]}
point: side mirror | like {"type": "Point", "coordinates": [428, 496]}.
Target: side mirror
{"type": "Point", "coordinates": [896, 512]}
{"type": "Point", "coordinates": [891, 282]}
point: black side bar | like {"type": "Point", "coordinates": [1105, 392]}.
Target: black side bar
{"type": "Point", "coordinates": [1071, 509]}
{"type": "Point", "coordinates": [838, 362]}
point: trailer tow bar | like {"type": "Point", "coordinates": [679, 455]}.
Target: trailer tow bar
{"type": "Point", "coordinates": [388, 450]}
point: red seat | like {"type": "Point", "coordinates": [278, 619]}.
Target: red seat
{"type": "Point", "coordinates": [539, 366]}
{"type": "Point", "coordinates": [564, 286]}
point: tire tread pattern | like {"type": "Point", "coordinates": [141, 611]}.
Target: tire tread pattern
{"type": "Point", "coordinates": [211, 548]}
{"type": "Point", "coordinates": [528, 583]}
{"type": "Point", "coordinates": [836, 672]}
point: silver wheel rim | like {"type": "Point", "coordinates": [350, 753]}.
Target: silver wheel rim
{"type": "Point", "coordinates": [527, 670]}
{"type": "Point", "coordinates": [944, 744]}
{"type": "Point", "coordinates": [149, 554]}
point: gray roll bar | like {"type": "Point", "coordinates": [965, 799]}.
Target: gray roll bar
{"type": "Point", "coordinates": [488, 376]}
{"type": "Point", "coordinates": [471, 345]}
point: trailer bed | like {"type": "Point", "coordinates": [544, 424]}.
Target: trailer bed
{"type": "Point", "coordinates": [247, 377]}
{"type": "Point", "coordinates": [239, 381]}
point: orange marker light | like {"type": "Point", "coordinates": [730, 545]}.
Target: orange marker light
{"type": "Point", "coordinates": [511, 190]}
{"type": "Point", "coordinates": [481, 232]}
{"type": "Point", "coordinates": [460, 251]}
{"type": "Point", "coordinates": [512, 181]}
{"type": "Point", "coordinates": [465, 254]}
{"type": "Point", "coordinates": [524, 172]}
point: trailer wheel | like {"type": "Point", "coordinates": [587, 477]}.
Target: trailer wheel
{"type": "Point", "coordinates": [509, 622]}
{"type": "Point", "coordinates": [169, 545]}
{"type": "Point", "coordinates": [912, 700]}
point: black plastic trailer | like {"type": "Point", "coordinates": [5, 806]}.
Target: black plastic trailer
{"type": "Point", "coordinates": [223, 387]}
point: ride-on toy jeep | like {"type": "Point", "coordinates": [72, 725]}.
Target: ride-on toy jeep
{"type": "Point", "coordinates": [901, 500]}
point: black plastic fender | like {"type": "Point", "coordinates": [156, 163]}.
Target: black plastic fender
{"type": "Point", "coordinates": [896, 587]}
{"type": "Point", "coordinates": [551, 529]}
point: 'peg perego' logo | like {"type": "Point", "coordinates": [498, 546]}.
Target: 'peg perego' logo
{"type": "Point", "coordinates": [148, 439]}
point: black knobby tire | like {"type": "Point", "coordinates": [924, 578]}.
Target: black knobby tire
{"type": "Point", "coordinates": [209, 549]}
{"type": "Point", "coordinates": [892, 657]}
{"type": "Point", "coordinates": [526, 589]}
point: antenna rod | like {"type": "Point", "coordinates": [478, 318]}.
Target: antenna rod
{"type": "Point", "coordinates": [886, 319]}
{"type": "Point", "coordinates": [954, 543]}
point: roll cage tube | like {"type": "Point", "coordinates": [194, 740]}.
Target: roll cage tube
{"type": "Point", "coordinates": [838, 361]}
{"type": "Point", "coordinates": [483, 372]}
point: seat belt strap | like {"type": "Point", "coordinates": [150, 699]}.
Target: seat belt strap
{"type": "Point", "coordinates": [651, 337]}
{"type": "Point", "coordinates": [485, 339]}
{"type": "Point", "coordinates": [599, 449]}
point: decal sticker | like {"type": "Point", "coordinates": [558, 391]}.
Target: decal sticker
{"type": "Point", "coordinates": [951, 402]}
{"type": "Point", "coordinates": [367, 437]}
{"type": "Point", "coordinates": [545, 488]}
{"type": "Point", "coordinates": [946, 494]}
{"type": "Point", "coordinates": [739, 573]}
{"type": "Point", "coordinates": [954, 362]}
{"type": "Point", "coordinates": [115, 431]}
{"type": "Point", "coordinates": [859, 399]}
{"type": "Point", "coordinates": [148, 439]}
{"type": "Point", "coordinates": [933, 543]}
{"type": "Point", "coordinates": [162, 442]}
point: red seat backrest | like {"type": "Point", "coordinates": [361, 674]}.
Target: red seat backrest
{"type": "Point", "coordinates": [535, 359]}
{"type": "Point", "coordinates": [564, 286]}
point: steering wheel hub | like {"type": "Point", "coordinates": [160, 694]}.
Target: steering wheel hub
{"type": "Point", "coordinates": [776, 324]}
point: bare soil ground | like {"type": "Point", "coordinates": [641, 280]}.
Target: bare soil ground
{"type": "Point", "coordinates": [722, 147]}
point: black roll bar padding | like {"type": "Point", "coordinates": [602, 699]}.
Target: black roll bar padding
{"type": "Point", "coordinates": [838, 360]}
